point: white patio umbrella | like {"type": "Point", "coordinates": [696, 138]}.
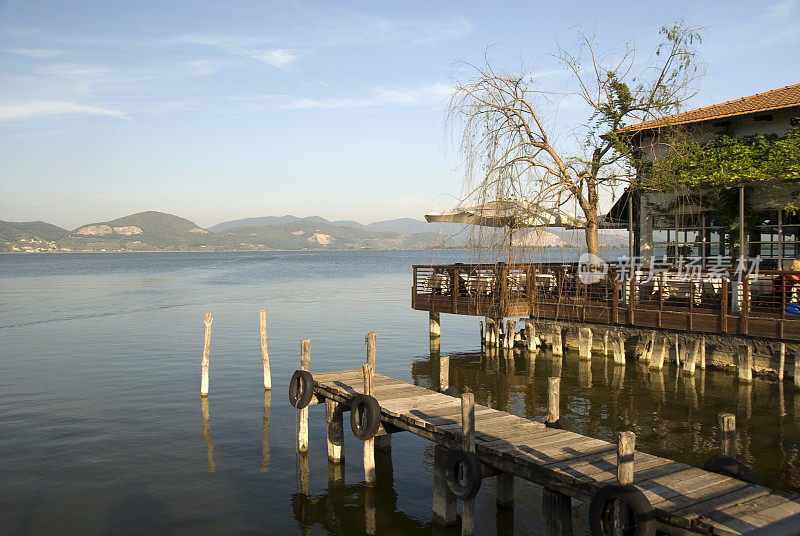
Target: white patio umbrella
{"type": "Point", "coordinates": [508, 212]}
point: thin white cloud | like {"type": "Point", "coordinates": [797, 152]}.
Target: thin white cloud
{"type": "Point", "coordinates": [33, 109]}
{"type": "Point", "coordinates": [277, 57]}
{"type": "Point", "coordinates": [428, 95]}
{"type": "Point", "coordinates": [38, 53]}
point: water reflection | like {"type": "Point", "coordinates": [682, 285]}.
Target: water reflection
{"type": "Point", "coordinates": [673, 414]}
{"type": "Point", "coordinates": [265, 431]}
{"type": "Point", "coordinates": [205, 408]}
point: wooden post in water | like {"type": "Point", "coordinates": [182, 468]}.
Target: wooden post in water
{"type": "Point", "coordinates": [727, 434]}
{"type": "Point", "coordinates": [625, 449]}
{"type": "Point", "coordinates": [692, 355]}
{"type": "Point", "coordinates": [511, 330]}
{"type": "Point", "coordinates": [781, 361]}
{"type": "Point", "coordinates": [745, 363]}
{"type": "Point", "coordinates": [335, 427]}
{"type": "Point", "coordinates": [369, 444]}
{"type": "Point", "coordinates": [468, 444]}
{"type": "Point", "coordinates": [434, 325]}
{"type": "Point", "coordinates": [658, 354]}
{"type": "Point", "coordinates": [556, 343]}
{"type": "Point", "coordinates": [557, 510]}
{"type": "Point", "coordinates": [530, 334]}
{"type": "Point", "coordinates": [302, 429]}
{"type": "Point", "coordinates": [206, 363]}
{"type": "Point", "coordinates": [262, 321]}
{"type": "Point", "coordinates": [444, 372]}
{"type": "Point", "coordinates": [585, 343]}
{"type": "Point", "coordinates": [702, 363]}
{"type": "Point", "coordinates": [553, 395]}
{"type": "Point", "coordinates": [605, 343]}
{"type": "Point", "coordinates": [444, 504]}
{"type": "Point", "coordinates": [619, 349]}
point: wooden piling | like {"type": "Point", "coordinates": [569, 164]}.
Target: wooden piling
{"type": "Point", "coordinates": [677, 351]}
{"type": "Point", "coordinates": [369, 444]}
{"type": "Point", "coordinates": [692, 356]}
{"type": "Point", "coordinates": [702, 363]}
{"type": "Point", "coordinates": [556, 342]}
{"type": "Point", "coordinates": [557, 510]}
{"type": "Point", "coordinates": [553, 395]}
{"type": "Point", "coordinates": [335, 427]}
{"type": "Point", "coordinates": [262, 321]}
{"type": "Point", "coordinates": [625, 449]}
{"type": "Point", "coordinates": [372, 341]}
{"type": "Point", "coordinates": [434, 325]}
{"type": "Point", "coordinates": [206, 363]}
{"type": "Point", "coordinates": [444, 372]}
{"type": "Point", "coordinates": [585, 343]}
{"type": "Point", "coordinates": [727, 434]}
{"type": "Point", "coordinates": [649, 345]}
{"type": "Point", "coordinates": [530, 334]}
{"type": "Point", "coordinates": [619, 349]}
{"type": "Point", "coordinates": [658, 355]}
{"type": "Point", "coordinates": [745, 363]}
{"type": "Point", "coordinates": [605, 343]}
{"type": "Point", "coordinates": [468, 444]}
{"type": "Point", "coordinates": [302, 428]}
{"type": "Point", "coordinates": [444, 504]}
{"type": "Point", "coordinates": [781, 361]}
{"type": "Point", "coordinates": [511, 331]}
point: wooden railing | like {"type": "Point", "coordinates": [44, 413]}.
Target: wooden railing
{"type": "Point", "coordinates": [762, 305]}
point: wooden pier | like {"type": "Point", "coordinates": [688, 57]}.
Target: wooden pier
{"type": "Point", "coordinates": [685, 500]}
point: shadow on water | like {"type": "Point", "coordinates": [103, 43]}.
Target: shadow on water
{"type": "Point", "coordinates": [674, 415]}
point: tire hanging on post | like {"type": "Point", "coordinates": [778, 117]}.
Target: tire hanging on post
{"type": "Point", "coordinates": [365, 416]}
{"type": "Point", "coordinates": [601, 510]}
{"type": "Point", "coordinates": [301, 389]}
{"type": "Point", "coordinates": [468, 486]}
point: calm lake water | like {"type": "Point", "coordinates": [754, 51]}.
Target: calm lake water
{"type": "Point", "coordinates": [103, 430]}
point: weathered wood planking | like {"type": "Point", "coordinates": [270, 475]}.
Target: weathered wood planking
{"type": "Point", "coordinates": [686, 499]}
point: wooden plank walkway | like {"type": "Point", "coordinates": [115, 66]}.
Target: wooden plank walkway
{"type": "Point", "coordinates": [685, 499]}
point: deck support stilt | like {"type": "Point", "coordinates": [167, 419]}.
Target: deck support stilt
{"type": "Point", "coordinates": [553, 396]}
{"type": "Point", "coordinates": [692, 356]}
{"type": "Point", "coordinates": [334, 419]}
{"type": "Point", "coordinates": [619, 349]}
{"type": "Point", "coordinates": [556, 341]}
{"type": "Point", "coordinates": [530, 335]}
{"type": "Point", "coordinates": [781, 361]}
{"type": "Point", "coordinates": [585, 343]}
{"type": "Point", "coordinates": [434, 325]}
{"type": "Point", "coordinates": [302, 427]}
{"type": "Point", "coordinates": [557, 510]}
{"type": "Point", "coordinates": [649, 347]}
{"type": "Point", "coordinates": [444, 504]}
{"type": "Point", "coordinates": [658, 354]}
{"type": "Point", "coordinates": [702, 363]}
{"type": "Point", "coordinates": [745, 363]}
{"type": "Point", "coordinates": [605, 343]}
{"type": "Point", "coordinates": [505, 490]}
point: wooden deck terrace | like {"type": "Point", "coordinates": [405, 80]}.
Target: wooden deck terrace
{"type": "Point", "coordinates": [695, 302]}
{"type": "Point", "coordinates": [686, 500]}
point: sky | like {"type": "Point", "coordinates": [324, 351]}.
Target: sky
{"type": "Point", "coordinates": [223, 110]}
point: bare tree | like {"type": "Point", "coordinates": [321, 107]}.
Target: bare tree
{"type": "Point", "coordinates": [513, 148]}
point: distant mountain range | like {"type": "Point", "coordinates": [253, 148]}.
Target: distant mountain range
{"type": "Point", "coordinates": [157, 231]}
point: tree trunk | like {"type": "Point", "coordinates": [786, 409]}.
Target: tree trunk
{"type": "Point", "coordinates": [592, 238]}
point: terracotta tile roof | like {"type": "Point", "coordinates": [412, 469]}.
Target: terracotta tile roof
{"type": "Point", "coordinates": [776, 99]}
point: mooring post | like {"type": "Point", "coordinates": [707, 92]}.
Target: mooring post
{"type": "Point", "coordinates": [625, 449]}
{"type": "Point", "coordinates": [553, 395]}
{"type": "Point", "coordinates": [781, 361]}
{"type": "Point", "coordinates": [745, 363]}
{"type": "Point", "coordinates": [585, 343]}
{"type": "Point", "coordinates": [369, 444]}
{"type": "Point", "coordinates": [372, 341]}
{"type": "Point", "coordinates": [262, 321]}
{"type": "Point", "coordinates": [206, 363]}
{"type": "Point", "coordinates": [619, 349]}
{"type": "Point", "coordinates": [468, 444]}
{"type": "Point", "coordinates": [444, 504]}
{"type": "Point", "coordinates": [658, 354]}
{"type": "Point", "coordinates": [727, 434]}
{"type": "Point", "coordinates": [302, 429]}
{"type": "Point", "coordinates": [558, 348]}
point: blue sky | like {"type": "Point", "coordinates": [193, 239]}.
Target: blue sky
{"type": "Point", "coordinates": [224, 110]}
